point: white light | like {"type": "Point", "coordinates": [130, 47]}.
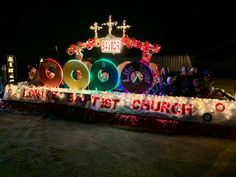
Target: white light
{"type": "Point", "coordinates": [10, 70]}
{"type": "Point", "coordinates": [10, 59]}
{"type": "Point", "coordinates": [111, 45]}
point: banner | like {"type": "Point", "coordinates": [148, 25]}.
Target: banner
{"type": "Point", "coordinates": [166, 107]}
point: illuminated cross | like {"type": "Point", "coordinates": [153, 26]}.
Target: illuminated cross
{"type": "Point", "coordinates": [110, 24]}
{"type": "Point", "coordinates": [96, 28]}
{"type": "Point", "coordinates": [124, 27]}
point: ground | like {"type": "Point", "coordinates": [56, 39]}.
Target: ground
{"type": "Point", "coordinates": [42, 145]}
{"type": "Point", "coordinates": [38, 145]}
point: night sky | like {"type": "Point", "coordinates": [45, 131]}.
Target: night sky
{"type": "Point", "coordinates": [196, 29]}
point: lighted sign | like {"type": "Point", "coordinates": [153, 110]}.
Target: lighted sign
{"type": "Point", "coordinates": [136, 77]}
{"type": "Point", "coordinates": [111, 45]}
{"type": "Point", "coordinates": [50, 73]}
{"type": "Point", "coordinates": [81, 72]}
{"type": "Point", "coordinates": [189, 109]}
{"type": "Point", "coordinates": [11, 69]}
{"type": "Point", "coordinates": [104, 75]}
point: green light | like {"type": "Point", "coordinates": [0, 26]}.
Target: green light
{"type": "Point", "coordinates": [106, 66]}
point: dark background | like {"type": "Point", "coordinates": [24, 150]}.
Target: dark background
{"type": "Point", "coordinates": [206, 32]}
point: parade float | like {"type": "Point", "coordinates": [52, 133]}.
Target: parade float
{"type": "Point", "coordinates": [103, 91]}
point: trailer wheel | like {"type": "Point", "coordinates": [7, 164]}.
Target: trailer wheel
{"type": "Point", "coordinates": [207, 117]}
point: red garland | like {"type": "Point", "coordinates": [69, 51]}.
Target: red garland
{"type": "Point", "coordinates": [137, 44]}
{"type": "Point", "coordinates": [73, 49]}
{"type": "Point", "coordinates": [147, 48]}
{"type": "Point", "coordinates": [90, 43]}
{"type": "Point", "coordinates": [78, 48]}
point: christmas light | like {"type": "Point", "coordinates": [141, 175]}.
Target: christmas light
{"type": "Point", "coordinates": [124, 27]}
{"type": "Point", "coordinates": [96, 28]}
{"type": "Point", "coordinates": [110, 25]}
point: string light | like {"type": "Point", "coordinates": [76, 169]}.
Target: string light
{"type": "Point", "coordinates": [96, 28]}
{"type": "Point", "coordinates": [110, 25]}
{"type": "Point", "coordinates": [11, 69]}
{"type": "Point", "coordinates": [124, 27]}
